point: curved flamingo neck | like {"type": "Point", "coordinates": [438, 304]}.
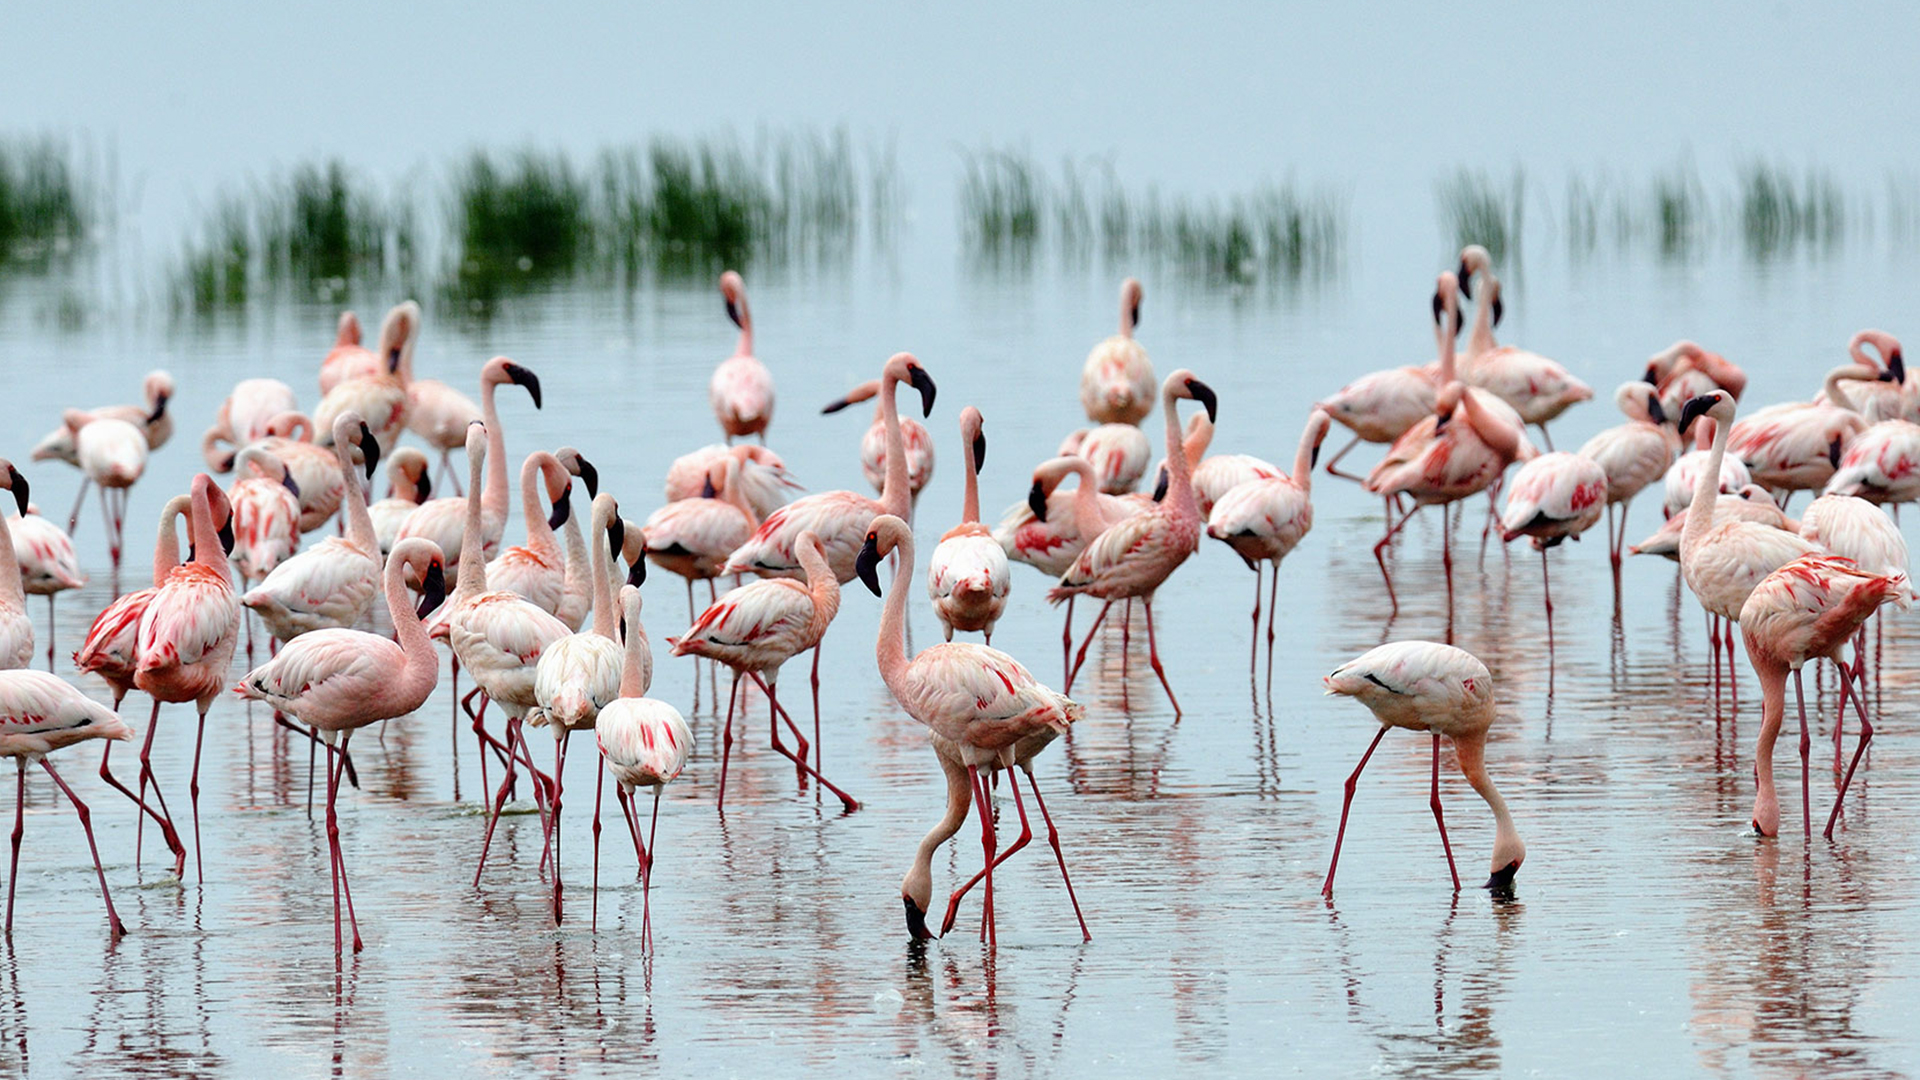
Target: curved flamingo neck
{"type": "Point", "coordinates": [495, 497]}
{"type": "Point", "coordinates": [735, 493]}
{"type": "Point", "coordinates": [208, 551]}
{"type": "Point", "coordinates": [744, 346]}
{"type": "Point", "coordinates": [1470, 751]}
{"type": "Point", "coordinates": [1087, 519]}
{"type": "Point", "coordinates": [1482, 341]}
{"type": "Point", "coordinates": [970, 503]}
{"type": "Point", "coordinates": [1500, 436]}
{"type": "Point", "coordinates": [891, 649]}
{"type": "Point", "coordinates": [1303, 457]}
{"type": "Point", "coordinates": [895, 498]}
{"type": "Point", "coordinates": [1706, 489]}
{"type": "Point", "coordinates": [359, 524]}
{"type": "Point", "coordinates": [13, 594]}
{"type": "Point", "coordinates": [473, 557]}
{"type": "Point", "coordinates": [166, 548]}
{"type": "Point", "coordinates": [1180, 475]}
{"type": "Point", "coordinates": [539, 534]}
{"type": "Point", "coordinates": [1836, 394]}
{"type": "Point", "coordinates": [604, 621]}
{"type": "Point", "coordinates": [423, 664]}
{"type": "Point", "coordinates": [823, 586]}
{"type": "Point", "coordinates": [918, 884]}
{"type": "Point", "coordinates": [633, 669]}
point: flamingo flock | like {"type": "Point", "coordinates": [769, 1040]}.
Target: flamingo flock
{"type": "Point", "coordinates": [512, 615]}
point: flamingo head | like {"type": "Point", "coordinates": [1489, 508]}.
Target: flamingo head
{"type": "Point", "coordinates": [16, 484]}
{"type": "Point", "coordinates": [158, 386]}
{"type": "Point", "coordinates": [407, 470]}
{"type": "Point", "coordinates": [734, 291]}
{"type": "Point", "coordinates": [348, 332]}
{"type": "Point", "coordinates": [1183, 384]}
{"type": "Point", "coordinates": [1473, 259]}
{"type": "Point", "coordinates": [883, 536]}
{"type": "Point", "coordinates": [972, 435]}
{"type": "Point", "coordinates": [1446, 303]}
{"type": "Point", "coordinates": [1130, 294]}
{"type": "Point", "coordinates": [1717, 404]}
{"type": "Point", "coordinates": [502, 370]}
{"type": "Point", "coordinates": [1892, 366]}
{"type": "Point", "coordinates": [577, 464]}
{"type": "Point", "coordinates": [397, 333]}
{"type": "Point", "coordinates": [559, 485]}
{"type": "Point", "coordinates": [606, 512]}
{"type": "Point", "coordinates": [904, 367]}
{"type": "Point", "coordinates": [1641, 401]}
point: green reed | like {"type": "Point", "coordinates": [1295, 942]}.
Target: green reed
{"type": "Point", "coordinates": [45, 207]}
{"type": "Point", "coordinates": [1476, 209]}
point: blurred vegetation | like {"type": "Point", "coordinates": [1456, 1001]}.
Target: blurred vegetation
{"type": "Point", "coordinates": [1779, 214]}
{"type": "Point", "coordinates": [1476, 209]}
{"type": "Point", "coordinates": [45, 208]}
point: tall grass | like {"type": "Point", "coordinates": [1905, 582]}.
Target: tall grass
{"type": "Point", "coordinates": [1779, 213]}
{"type": "Point", "coordinates": [1476, 209]}
{"type": "Point", "coordinates": [45, 207]}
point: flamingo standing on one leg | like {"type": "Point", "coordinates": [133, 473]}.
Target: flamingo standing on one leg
{"type": "Point", "coordinates": [1554, 498]}
{"type": "Point", "coordinates": [741, 390]}
{"type": "Point", "coordinates": [48, 564]}
{"type": "Point", "coordinates": [337, 681]}
{"type": "Point", "coordinates": [408, 486]}
{"type": "Point", "coordinates": [40, 713]}
{"type": "Point", "coordinates": [873, 444]}
{"type": "Point", "coordinates": [1116, 382]}
{"type": "Point", "coordinates": [332, 583]}
{"type": "Point", "coordinates": [113, 454]}
{"type": "Point", "coordinates": [978, 699]}
{"type": "Point", "coordinates": [1264, 520]}
{"type": "Point", "coordinates": [1632, 455]}
{"type": "Point", "coordinates": [967, 576]}
{"type": "Point", "coordinates": [1136, 556]}
{"type": "Point", "coordinates": [1805, 610]}
{"type": "Point", "coordinates": [644, 743]}
{"type": "Point", "coordinates": [187, 636]}
{"type": "Point", "coordinates": [1426, 686]}
{"type": "Point", "coordinates": [152, 418]}
{"type": "Point", "coordinates": [756, 629]}
{"type": "Point", "coordinates": [16, 626]}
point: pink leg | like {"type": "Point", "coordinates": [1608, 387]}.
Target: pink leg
{"type": "Point", "coordinates": [1053, 838]}
{"type": "Point", "coordinates": [115, 927]}
{"type": "Point", "coordinates": [19, 830]}
{"type": "Point", "coordinates": [1434, 801]}
{"type": "Point", "coordinates": [726, 748]}
{"type": "Point", "coordinates": [1066, 643]}
{"type": "Point", "coordinates": [1380, 549]}
{"type": "Point", "coordinates": [1806, 746]}
{"type": "Point", "coordinates": [1153, 654]}
{"type": "Point", "coordinates": [986, 843]}
{"type": "Point", "coordinates": [816, 709]}
{"type": "Point", "coordinates": [775, 710]}
{"type": "Point", "coordinates": [49, 631]}
{"type": "Point", "coordinates": [1253, 653]}
{"type": "Point", "coordinates": [1335, 460]}
{"type": "Point", "coordinates": [499, 803]}
{"type": "Point", "coordinates": [1273, 604]}
{"type": "Point", "coordinates": [79, 500]}
{"type": "Point", "coordinates": [333, 857]}
{"type": "Point", "coordinates": [193, 794]}
{"type": "Point", "coordinates": [553, 816]}
{"type": "Point", "coordinates": [147, 777]}
{"type": "Point", "coordinates": [633, 830]}
{"type": "Point", "coordinates": [172, 838]}
{"type": "Point", "coordinates": [1866, 736]}
{"type": "Point", "coordinates": [335, 770]}
{"type": "Point", "coordinates": [599, 782]}
{"type": "Point", "coordinates": [1733, 672]}
{"type": "Point", "coordinates": [1546, 589]}
{"type": "Point", "coordinates": [646, 874]}
{"type": "Point", "coordinates": [1346, 804]}
{"type": "Point", "coordinates": [1026, 834]}
{"type": "Point", "coordinates": [1082, 657]}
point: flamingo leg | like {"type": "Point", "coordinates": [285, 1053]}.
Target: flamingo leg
{"type": "Point", "coordinates": [115, 926]}
{"type": "Point", "coordinates": [986, 843]}
{"type": "Point", "coordinates": [774, 708]}
{"type": "Point", "coordinates": [1438, 819]}
{"type": "Point", "coordinates": [333, 832]}
{"type": "Point", "coordinates": [1733, 672]}
{"type": "Point", "coordinates": [599, 782]}
{"type": "Point", "coordinates": [193, 795]}
{"type": "Point", "coordinates": [553, 815]}
{"type": "Point", "coordinates": [172, 838]}
{"type": "Point", "coordinates": [1335, 460]}
{"type": "Point", "coordinates": [1153, 655]}
{"type": "Point", "coordinates": [499, 804]}
{"type": "Point", "coordinates": [1346, 804]}
{"type": "Point", "coordinates": [1545, 437]}
{"type": "Point", "coordinates": [1082, 657]}
{"type": "Point", "coordinates": [19, 830]}
{"type": "Point", "coordinates": [1546, 590]}
{"type": "Point", "coordinates": [1380, 549]}
{"type": "Point", "coordinates": [49, 631]}
{"type": "Point", "coordinates": [1866, 736]}
{"type": "Point", "coordinates": [1253, 657]}
{"type": "Point", "coordinates": [1026, 834]}
{"type": "Point", "coordinates": [646, 874]}
{"type": "Point", "coordinates": [333, 857]}
{"type": "Point", "coordinates": [1053, 838]}
{"type": "Point", "coordinates": [79, 500]}
{"type": "Point", "coordinates": [1066, 643]}
{"type": "Point", "coordinates": [816, 708]}
{"type": "Point", "coordinates": [726, 748]}
{"type": "Point", "coordinates": [1806, 746]}
{"type": "Point", "coordinates": [633, 830]}
{"type": "Point", "coordinates": [1273, 605]}
{"type": "Point", "coordinates": [147, 777]}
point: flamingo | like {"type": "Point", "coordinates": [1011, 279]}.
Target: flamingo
{"type": "Point", "coordinates": [113, 454]}
{"type": "Point", "coordinates": [1426, 686]}
{"type": "Point", "coordinates": [763, 475]}
{"type": "Point", "coordinates": [439, 414]}
{"type": "Point", "coordinates": [266, 513]}
{"type": "Point", "coordinates": [873, 445]}
{"type": "Point", "coordinates": [331, 584]}
{"type": "Point", "coordinates": [644, 743]}
{"type": "Point", "coordinates": [1855, 529]}
{"type": "Point", "coordinates": [1683, 371]}
{"type": "Point", "coordinates": [40, 713]}
{"type": "Point", "coordinates": [348, 359]}
{"type": "Point", "coordinates": [576, 588]}
{"type": "Point", "coordinates": [1263, 520]}
{"type": "Point", "coordinates": [1119, 453]}
{"type": "Point", "coordinates": [755, 630]}
{"type": "Point", "coordinates": [1215, 475]}
{"type": "Point", "coordinates": [1796, 446]}
{"type": "Point", "coordinates": [1684, 473]}
{"type": "Point", "coordinates": [1136, 556]}
{"type": "Point", "coordinates": [243, 418]}
{"type": "Point", "coordinates": [1750, 503]}
{"type": "Point", "coordinates": [741, 390]}
{"type": "Point", "coordinates": [978, 699]}
{"type": "Point", "coordinates": [1885, 395]}
{"type": "Point", "coordinates": [1116, 383]}
{"type": "Point", "coordinates": [152, 418]}
{"type": "Point", "coordinates": [537, 569]}
{"type": "Point", "coordinates": [187, 635]}
{"type": "Point", "coordinates": [315, 471]}
{"type": "Point", "coordinates": [967, 576]}
{"type": "Point", "coordinates": [1882, 463]}
{"type": "Point", "coordinates": [443, 520]}
{"type": "Point", "coordinates": [381, 398]}
{"type": "Point", "coordinates": [1380, 407]}
{"type": "Point", "coordinates": [693, 537]}
{"type": "Point", "coordinates": [337, 681]}
{"type": "Point", "coordinates": [1632, 455]}
{"type": "Point", "coordinates": [580, 674]}
{"type": "Point", "coordinates": [1555, 497]}
{"type": "Point", "coordinates": [408, 486]}
{"type": "Point", "coordinates": [1538, 387]}
{"type": "Point", "coordinates": [1805, 610]}
{"type": "Point", "coordinates": [16, 626]}
{"type": "Point", "coordinates": [1722, 561]}
{"type": "Point", "coordinates": [48, 564]}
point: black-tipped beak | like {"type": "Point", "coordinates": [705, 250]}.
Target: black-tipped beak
{"type": "Point", "coordinates": [589, 476]}
{"type": "Point", "coordinates": [433, 590]}
{"type": "Point", "coordinates": [1160, 484]}
{"type": "Point", "coordinates": [979, 451]}
{"type": "Point", "coordinates": [1037, 502]}
{"type": "Point", "coordinates": [1693, 409]}
{"type": "Point", "coordinates": [226, 464]}
{"type": "Point", "coordinates": [1204, 394]}
{"type": "Point", "coordinates": [916, 921]}
{"type": "Point", "coordinates": [225, 533]}
{"type": "Point", "coordinates": [922, 382]}
{"type": "Point", "coordinates": [1133, 316]}
{"type": "Point", "coordinates": [866, 564]}
{"type": "Point", "coordinates": [1440, 424]}
{"type": "Point", "coordinates": [286, 478]}
{"type": "Point", "coordinates": [1833, 451]}
{"type": "Point", "coordinates": [159, 409]}
{"type": "Point", "coordinates": [707, 490]}
{"type": "Point", "coordinates": [393, 359]}
{"type": "Point", "coordinates": [1439, 308]}
{"type": "Point", "coordinates": [1313, 459]}
{"type": "Point", "coordinates": [18, 484]}
{"type": "Point", "coordinates": [562, 509]}
{"type": "Point", "coordinates": [1498, 310]}
{"type": "Point", "coordinates": [617, 534]}
{"type": "Point", "coordinates": [733, 312]}
{"type": "Point", "coordinates": [522, 377]}
{"type": "Point", "coordinates": [1652, 377]}
{"type": "Point", "coordinates": [1656, 411]}
{"type": "Point", "coordinates": [1898, 366]}
{"type": "Point", "coordinates": [422, 488]}
{"type": "Point", "coordinates": [370, 447]}
{"type": "Point", "coordinates": [1466, 279]}
{"type": "Point", "coordinates": [835, 406]}
{"type": "Point", "coordinates": [637, 574]}
{"type": "Point", "coordinates": [1500, 882]}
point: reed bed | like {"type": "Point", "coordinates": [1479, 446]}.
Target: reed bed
{"type": "Point", "coordinates": [1476, 209]}
{"type": "Point", "coordinates": [46, 207]}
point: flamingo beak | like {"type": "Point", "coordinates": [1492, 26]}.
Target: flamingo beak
{"type": "Point", "coordinates": [922, 382]}
{"type": "Point", "coordinates": [393, 359]}
{"type": "Point", "coordinates": [1652, 376]}
{"type": "Point", "coordinates": [159, 409]}
{"type": "Point", "coordinates": [1037, 502]}
{"type": "Point", "coordinates": [1465, 274]}
{"type": "Point", "coordinates": [433, 590]}
{"type": "Point", "coordinates": [1439, 308]}
{"type": "Point", "coordinates": [370, 447]}
{"type": "Point", "coordinates": [1656, 411]}
{"type": "Point", "coordinates": [916, 921]}
{"type": "Point", "coordinates": [562, 509]}
{"type": "Point", "coordinates": [866, 563]}
{"type": "Point", "coordinates": [733, 312]}
{"type": "Point", "coordinates": [588, 475]}
{"type": "Point", "coordinates": [1204, 394]}
{"type": "Point", "coordinates": [520, 376]}
{"type": "Point", "coordinates": [1694, 408]}
{"type": "Point", "coordinates": [617, 533]}
{"type": "Point", "coordinates": [835, 406]}
{"type": "Point", "coordinates": [225, 534]}
{"type": "Point", "coordinates": [1898, 367]}
{"type": "Point", "coordinates": [286, 478]}
{"type": "Point", "coordinates": [18, 484]}
{"type": "Point", "coordinates": [1160, 485]}
{"type": "Point", "coordinates": [422, 488]}
{"type": "Point", "coordinates": [1133, 316]}
{"type": "Point", "coordinates": [637, 573]}
{"type": "Point", "coordinates": [1500, 882]}
{"type": "Point", "coordinates": [707, 490]}
{"type": "Point", "coordinates": [979, 451]}
{"type": "Point", "coordinates": [1498, 309]}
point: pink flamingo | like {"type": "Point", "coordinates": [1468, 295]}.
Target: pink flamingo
{"type": "Point", "coordinates": [1683, 371]}
{"type": "Point", "coordinates": [537, 569]}
{"type": "Point", "coordinates": [1684, 473]}
{"type": "Point", "coordinates": [1426, 686]}
{"type": "Point", "coordinates": [1119, 453]}
{"type": "Point", "coordinates": [48, 564]}
{"type": "Point", "coordinates": [581, 674]}
{"type": "Point", "coordinates": [1116, 382]}
{"type": "Point", "coordinates": [332, 583]}
{"type": "Point", "coordinates": [967, 577]}
{"type": "Point", "coordinates": [152, 418]}
{"type": "Point", "coordinates": [1855, 529]}
{"type": "Point", "coordinates": [1538, 387]}
{"type": "Point", "coordinates": [243, 418]}
{"type": "Point", "coordinates": [763, 475]}
{"type": "Point", "coordinates": [693, 537]}
{"type": "Point", "coordinates": [741, 390]}
{"type": "Point", "coordinates": [1263, 520]}
{"type": "Point", "coordinates": [756, 629]}
{"type": "Point", "coordinates": [1750, 503]}
{"type": "Point", "coordinates": [348, 359]}
{"type": "Point", "coordinates": [408, 486]}
{"type": "Point", "coordinates": [337, 681]}
{"type": "Point", "coordinates": [113, 454]}
{"type": "Point", "coordinates": [443, 521]}
{"type": "Point", "coordinates": [1885, 395]}
{"type": "Point", "coordinates": [266, 518]}
{"type": "Point", "coordinates": [16, 626]}
{"type": "Point", "coordinates": [1722, 560]}
{"type": "Point", "coordinates": [314, 469]}
{"type": "Point", "coordinates": [1217, 474]}
{"type": "Point", "coordinates": [1806, 610]}
{"type": "Point", "coordinates": [1632, 455]}
{"type": "Point", "coordinates": [381, 398]}
{"type": "Point", "coordinates": [981, 701]}
{"type": "Point", "coordinates": [1882, 463]}
{"type": "Point", "coordinates": [1555, 497]}
{"type": "Point", "coordinates": [1380, 407]}
{"type": "Point", "coordinates": [1134, 557]}
{"type": "Point", "coordinates": [873, 444]}
{"type": "Point", "coordinates": [439, 414]}
{"type": "Point", "coordinates": [40, 713]}
{"type": "Point", "coordinates": [1796, 446]}
{"type": "Point", "coordinates": [644, 742]}
{"type": "Point", "coordinates": [187, 636]}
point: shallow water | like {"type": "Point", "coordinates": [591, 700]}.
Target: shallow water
{"type": "Point", "coordinates": [1647, 932]}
